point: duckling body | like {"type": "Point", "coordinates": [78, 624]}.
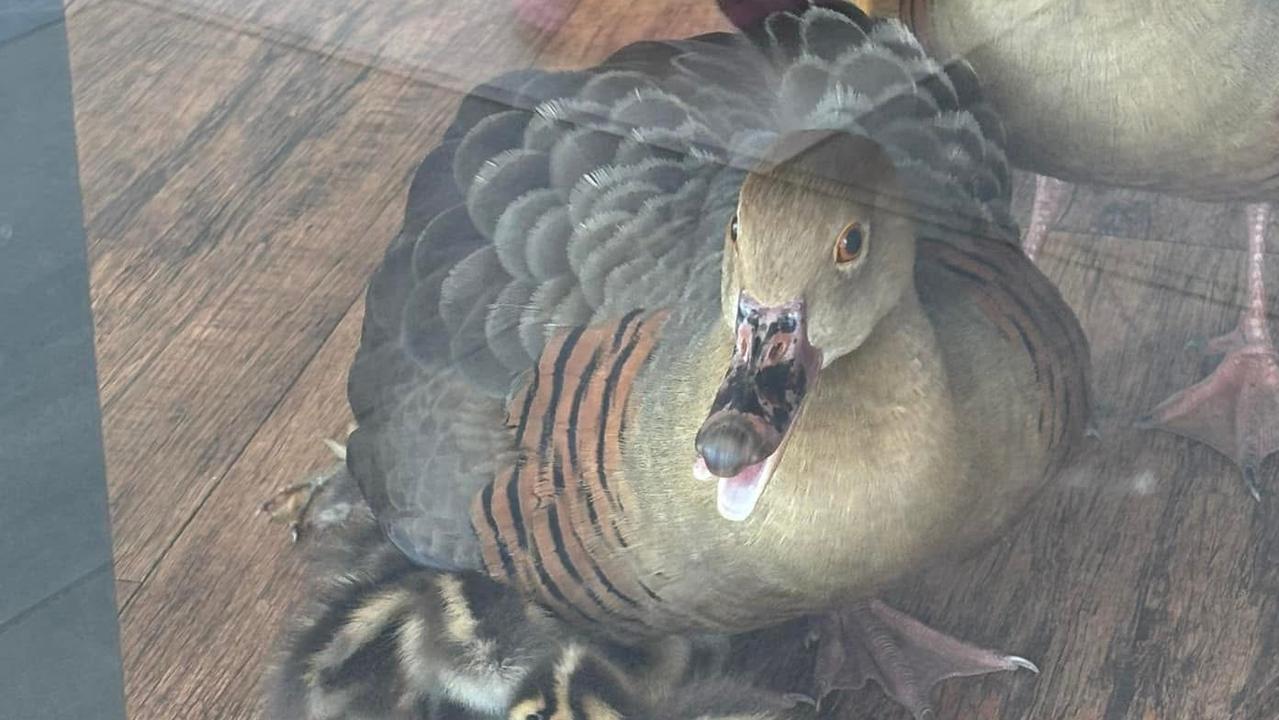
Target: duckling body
{"type": "Point", "coordinates": [718, 333]}
{"type": "Point", "coordinates": [386, 639]}
{"type": "Point", "coordinates": [581, 682]}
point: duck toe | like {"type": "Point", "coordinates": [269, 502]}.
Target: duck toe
{"type": "Point", "coordinates": [871, 641]}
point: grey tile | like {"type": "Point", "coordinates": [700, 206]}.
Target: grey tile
{"type": "Point", "coordinates": [19, 17]}
{"type": "Point", "coordinates": [59, 647]}
{"type": "Point", "coordinates": [61, 659]}
{"type": "Point", "coordinates": [53, 525]}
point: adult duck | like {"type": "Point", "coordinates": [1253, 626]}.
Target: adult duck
{"type": "Point", "coordinates": [718, 333]}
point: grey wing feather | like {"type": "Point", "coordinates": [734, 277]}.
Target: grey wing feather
{"type": "Point", "coordinates": [558, 199]}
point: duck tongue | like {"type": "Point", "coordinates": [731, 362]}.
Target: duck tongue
{"type": "Point", "coordinates": [772, 367]}
{"type": "Point", "coordinates": [736, 496]}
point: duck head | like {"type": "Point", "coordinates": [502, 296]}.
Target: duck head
{"type": "Point", "coordinates": [818, 252]}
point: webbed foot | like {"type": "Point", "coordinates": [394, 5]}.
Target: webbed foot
{"type": "Point", "coordinates": [1235, 410]}
{"type": "Point", "coordinates": [872, 641]}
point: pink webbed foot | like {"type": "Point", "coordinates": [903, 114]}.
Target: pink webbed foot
{"type": "Point", "coordinates": [872, 641]}
{"type": "Point", "coordinates": [1235, 410]}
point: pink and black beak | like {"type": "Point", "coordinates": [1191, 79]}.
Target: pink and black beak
{"type": "Point", "coordinates": [771, 372]}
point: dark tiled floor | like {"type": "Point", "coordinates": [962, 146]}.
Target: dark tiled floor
{"type": "Point", "coordinates": [61, 659]}
{"type": "Point", "coordinates": [59, 640]}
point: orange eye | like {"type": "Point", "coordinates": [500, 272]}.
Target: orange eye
{"type": "Point", "coordinates": [848, 246]}
{"type": "Point", "coordinates": [732, 229]}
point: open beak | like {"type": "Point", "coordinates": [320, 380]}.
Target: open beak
{"type": "Point", "coordinates": [771, 372]}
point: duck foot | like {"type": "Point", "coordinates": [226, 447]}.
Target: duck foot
{"type": "Point", "coordinates": [872, 641]}
{"type": "Point", "coordinates": [1235, 410]}
{"type": "Point", "coordinates": [298, 505]}
{"type": "Point", "coordinates": [1049, 194]}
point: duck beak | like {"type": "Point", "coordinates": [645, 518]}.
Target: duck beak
{"type": "Point", "coordinates": [772, 369]}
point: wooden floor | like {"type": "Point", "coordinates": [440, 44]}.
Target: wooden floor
{"type": "Point", "coordinates": [244, 163]}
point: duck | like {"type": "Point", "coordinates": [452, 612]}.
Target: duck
{"type": "Point", "coordinates": [581, 682]}
{"type": "Point", "coordinates": [378, 636]}
{"type": "Point", "coordinates": [1085, 91]}
{"type": "Point", "coordinates": [719, 333]}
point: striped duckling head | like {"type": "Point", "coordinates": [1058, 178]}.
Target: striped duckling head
{"type": "Point", "coordinates": [578, 683]}
{"type": "Point", "coordinates": [395, 638]}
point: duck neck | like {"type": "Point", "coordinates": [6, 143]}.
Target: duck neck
{"type": "Point", "coordinates": [865, 403]}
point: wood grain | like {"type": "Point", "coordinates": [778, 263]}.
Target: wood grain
{"type": "Point", "coordinates": [598, 28]}
{"type": "Point", "coordinates": [244, 163]}
{"type": "Point", "coordinates": [198, 636]}
{"type": "Point", "coordinates": [225, 249]}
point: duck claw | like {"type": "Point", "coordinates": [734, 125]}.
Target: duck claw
{"type": "Point", "coordinates": [1023, 663]}
{"type": "Point", "coordinates": [296, 504]}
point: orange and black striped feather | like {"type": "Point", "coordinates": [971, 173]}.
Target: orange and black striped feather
{"type": "Point", "coordinates": [555, 523]}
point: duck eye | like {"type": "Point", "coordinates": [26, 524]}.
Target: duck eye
{"type": "Point", "coordinates": [848, 247]}
{"type": "Point", "coordinates": [732, 229]}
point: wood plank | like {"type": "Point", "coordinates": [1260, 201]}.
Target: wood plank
{"type": "Point", "coordinates": [197, 637]}
{"type": "Point", "coordinates": [124, 591]}
{"type": "Point", "coordinates": [453, 44]}
{"type": "Point", "coordinates": [1145, 586]}
{"type": "Point", "coordinates": [596, 28]}
{"type": "Point", "coordinates": [170, 172]}
{"type": "Point", "coordinates": [226, 262]}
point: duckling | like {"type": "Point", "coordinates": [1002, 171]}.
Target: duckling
{"type": "Point", "coordinates": [397, 640]}
{"type": "Point", "coordinates": [385, 638]}
{"type": "Point", "coordinates": [1085, 90]}
{"type": "Point", "coordinates": [721, 333]}
{"type": "Point", "coordinates": [581, 682]}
